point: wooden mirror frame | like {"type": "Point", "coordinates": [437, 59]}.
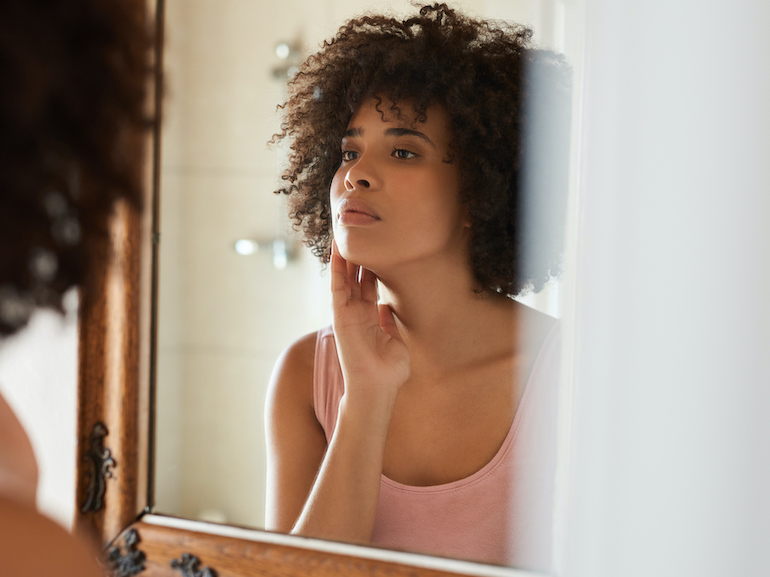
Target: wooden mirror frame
{"type": "Point", "coordinates": [115, 423]}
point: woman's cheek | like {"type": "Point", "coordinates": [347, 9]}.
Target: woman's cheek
{"type": "Point", "coordinates": [334, 197]}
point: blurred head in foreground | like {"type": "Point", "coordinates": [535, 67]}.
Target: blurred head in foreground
{"type": "Point", "coordinates": [72, 93]}
{"type": "Point", "coordinates": [73, 76]}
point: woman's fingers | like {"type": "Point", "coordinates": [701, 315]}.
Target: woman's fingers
{"type": "Point", "coordinates": [388, 323]}
{"type": "Point", "coordinates": [340, 285]}
{"type": "Point", "coordinates": [357, 282]}
{"type": "Point", "coordinates": [368, 286]}
{"type": "Point", "coordinates": [354, 294]}
{"type": "Point", "coordinates": [353, 282]}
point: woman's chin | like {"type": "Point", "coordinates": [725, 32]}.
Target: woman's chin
{"type": "Point", "coordinates": [354, 251]}
{"type": "Point", "coordinates": [358, 258]}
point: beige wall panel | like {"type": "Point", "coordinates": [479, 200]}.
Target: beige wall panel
{"type": "Point", "coordinates": [170, 260]}
{"type": "Point", "coordinates": [224, 446]}
{"type": "Point", "coordinates": [233, 301]}
{"type": "Point", "coordinates": [224, 53]}
{"type": "Point", "coordinates": [169, 422]}
{"type": "Point", "coordinates": [174, 121]}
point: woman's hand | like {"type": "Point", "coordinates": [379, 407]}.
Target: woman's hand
{"type": "Point", "coordinates": [345, 487]}
{"type": "Point", "coordinates": [372, 354]}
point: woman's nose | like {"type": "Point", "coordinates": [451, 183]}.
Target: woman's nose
{"type": "Point", "coordinates": [361, 176]}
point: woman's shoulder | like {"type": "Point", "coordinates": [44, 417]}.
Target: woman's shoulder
{"type": "Point", "coordinates": [535, 328]}
{"type": "Point", "coordinates": [31, 544]}
{"type": "Point", "coordinates": [18, 466]}
{"type": "Point", "coordinates": [509, 316]}
{"type": "Point", "coordinates": [296, 363]}
{"type": "Point", "coordinates": [290, 391]}
{"type": "Point", "coordinates": [294, 371]}
{"type": "Point", "coordinates": [302, 350]}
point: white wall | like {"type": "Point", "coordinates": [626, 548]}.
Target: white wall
{"type": "Point", "coordinates": [671, 440]}
{"type": "Point", "coordinates": [38, 378]}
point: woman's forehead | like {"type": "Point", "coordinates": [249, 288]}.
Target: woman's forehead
{"type": "Point", "coordinates": [376, 111]}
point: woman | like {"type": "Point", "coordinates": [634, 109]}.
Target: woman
{"type": "Point", "coordinates": [73, 77]}
{"type": "Point", "coordinates": [401, 425]}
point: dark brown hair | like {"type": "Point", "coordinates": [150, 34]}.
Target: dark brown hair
{"type": "Point", "coordinates": [498, 91]}
{"type": "Point", "coordinates": [72, 93]}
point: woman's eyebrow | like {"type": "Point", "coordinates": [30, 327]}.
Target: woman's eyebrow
{"type": "Point", "coordinates": [409, 132]}
{"type": "Point", "coordinates": [396, 131]}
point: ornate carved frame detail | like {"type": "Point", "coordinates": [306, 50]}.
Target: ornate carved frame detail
{"type": "Point", "coordinates": [114, 356]}
{"type": "Point", "coordinates": [126, 561]}
{"type": "Point", "coordinates": [189, 566]}
{"type": "Point", "coordinates": [101, 462]}
{"type": "Point", "coordinates": [115, 394]}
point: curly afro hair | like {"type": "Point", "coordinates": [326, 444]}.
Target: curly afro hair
{"type": "Point", "coordinates": [499, 93]}
{"type": "Point", "coordinates": [73, 76]}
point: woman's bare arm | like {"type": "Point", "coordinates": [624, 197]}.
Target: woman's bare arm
{"type": "Point", "coordinates": [340, 502]}
{"type": "Point", "coordinates": [295, 440]}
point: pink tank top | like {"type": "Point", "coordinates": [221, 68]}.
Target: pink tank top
{"type": "Point", "coordinates": [502, 513]}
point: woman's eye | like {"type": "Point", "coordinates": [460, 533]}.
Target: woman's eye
{"type": "Point", "coordinates": [403, 154]}
{"type": "Point", "coordinates": [348, 155]}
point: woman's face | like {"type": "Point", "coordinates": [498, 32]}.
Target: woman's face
{"type": "Point", "coordinates": [394, 199]}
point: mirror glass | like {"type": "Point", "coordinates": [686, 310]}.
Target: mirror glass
{"type": "Point", "coordinates": [236, 285]}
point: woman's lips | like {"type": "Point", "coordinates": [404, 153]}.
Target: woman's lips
{"type": "Point", "coordinates": [354, 212]}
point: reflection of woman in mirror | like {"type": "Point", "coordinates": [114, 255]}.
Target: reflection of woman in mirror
{"type": "Point", "coordinates": [72, 88]}
{"type": "Point", "coordinates": [424, 422]}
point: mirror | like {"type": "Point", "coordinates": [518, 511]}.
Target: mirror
{"type": "Point", "coordinates": [236, 286]}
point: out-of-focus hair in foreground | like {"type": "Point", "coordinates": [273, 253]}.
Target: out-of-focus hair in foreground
{"type": "Point", "coordinates": [73, 78]}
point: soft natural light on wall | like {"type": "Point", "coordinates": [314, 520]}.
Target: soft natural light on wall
{"type": "Point", "coordinates": [281, 250]}
{"type": "Point", "coordinates": [670, 469]}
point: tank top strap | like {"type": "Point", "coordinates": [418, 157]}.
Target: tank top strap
{"type": "Point", "coordinates": [328, 384]}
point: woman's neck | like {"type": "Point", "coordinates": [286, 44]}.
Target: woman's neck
{"type": "Point", "coordinates": [445, 319]}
